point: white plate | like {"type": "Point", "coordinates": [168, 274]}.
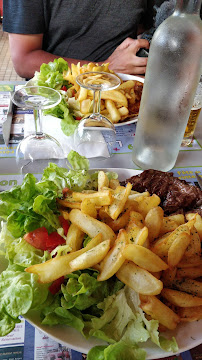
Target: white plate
{"type": "Point", "coordinates": [123, 77]}
{"type": "Point", "coordinates": [188, 335]}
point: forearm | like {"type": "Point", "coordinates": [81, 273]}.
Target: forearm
{"type": "Point", "coordinates": [31, 62]}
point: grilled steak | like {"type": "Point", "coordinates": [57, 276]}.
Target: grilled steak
{"type": "Point", "coordinates": [176, 195]}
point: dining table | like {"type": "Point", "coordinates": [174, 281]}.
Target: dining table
{"type": "Point", "coordinates": [27, 342]}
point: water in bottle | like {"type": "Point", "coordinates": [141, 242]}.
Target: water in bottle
{"type": "Point", "coordinates": [172, 75]}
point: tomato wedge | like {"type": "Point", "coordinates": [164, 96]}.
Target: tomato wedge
{"type": "Point", "coordinates": [38, 238]}
{"type": "Point", "coordinates": [54, 239]}
{"type": "Point", "coordinates": [56, 285]}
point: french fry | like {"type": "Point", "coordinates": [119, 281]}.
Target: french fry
{"type": "Point", "coordinates": [103, 180]}
{"type": "Point", "coordinates": [83, 93]}
{"type": "Point", "coordinates": [139, 279]}
{"type": "Point", "coordinates": [198, 222]}
{"type": "Point", "coordinates": [85, 106]}
{"type": "Point", "coordinates": [75, 237]}
{"type": "Point", "coordinates": [89, 208]}
{"type": "Point", "coordinates": [113, 111]}
{"type": "Point", "coordinates": [120, 197]}
{"type": "Point", "coordinates": [147, 203]}
{"type": "Point", "coordinates": [179, 298]}
{"type": "Point", "coordinates": [114, 258]}
{"type": "Point", "coordinates": [179, 219]}
{"type": "Point", "coordinates": [69, 204]}
{"type": "Point", "coordinates": [161, 247]}
{"type": "Point", "coordinates": [133, 233]}
{"type": "Point", "coordinates": [159, 311]}
{"type": "Point", "coordinates": [90, 257]}
{"type": "Point", "coordinates": [129, 84]}
{"type": "Point", "coordinates": [189, 286]}
{"type": "Point", "coordinates": [104, 216]}
{"type": "Point", "coordinates": [120, 222]}
{"type": "Point", "coordinates": [59, 266]}
{"type": "Point", "coordinates": [99, 198]}
{"type": "Point", "coordinates": [115, 96]}
{"type": "Point", "coordinates": [178, 248]}
{"type": "Point", "coordinates": [188, 262]}
{"type": "Point", "coordinates": [153, 222]}
{"type": "Point", "coordinates": [190, 314]}
{"type": "Point", "coordinates": [194, 247]}
{"type": "Point", "coordinates": [193, 272]}
{"type": "Point", "coordinates": [123, 111]}
{"type": "Point", "coordinates": [141, 237]}
{"type": "Point", "coordinates": [144, 258]}
{"type": "Point", "coordinates": [91, 226]}
{"type": "Point", "coordinates": [168, 225]}
{"type": "Point", "coordinates": [135, 218]}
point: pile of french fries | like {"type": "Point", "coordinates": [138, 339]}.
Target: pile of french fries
{"type": "Point", "coordinates": [158, 256]}
{"type": "Point", "coordinates": [115, 104]}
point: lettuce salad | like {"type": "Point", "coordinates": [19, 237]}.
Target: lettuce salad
{"type": "Point", "coordinates": [107, 310]}
{"type": "Point", "coordinates": [67, 110]}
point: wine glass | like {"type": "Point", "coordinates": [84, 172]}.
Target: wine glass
{"type": "Point", "coordinates": [95, 136]}
{"type": "Point", "coordinates": [35, 151]}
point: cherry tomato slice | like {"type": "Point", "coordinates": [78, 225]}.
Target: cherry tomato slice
{"type": "Point", "coordinates": [38, 238]}
{"type": "Point", "coordinates": [78, 117]}
{"type": "Point", "coordinates": [65, 224]}
{"type": "Point", "coordinates": [56, 285]}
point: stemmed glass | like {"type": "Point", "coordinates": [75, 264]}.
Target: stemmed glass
{"type": "Point", "coordinates": [95, 135]}
{"type": "Point", "coordinates": [35, 151]}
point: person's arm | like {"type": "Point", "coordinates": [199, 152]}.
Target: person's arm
{"type": "Point", "coordinates": [27, 55]}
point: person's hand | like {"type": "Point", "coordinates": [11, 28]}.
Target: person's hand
{"type": "Point", "coordinates": [124, 59]}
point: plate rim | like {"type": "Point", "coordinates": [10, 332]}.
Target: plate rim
{"type": "Point", "coordinates": [156, 352]}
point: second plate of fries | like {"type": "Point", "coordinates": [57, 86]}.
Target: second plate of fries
{"type": "Point", "coordinates": [156, 255]}
{"type": "Point", "coordinates": [120, 106]}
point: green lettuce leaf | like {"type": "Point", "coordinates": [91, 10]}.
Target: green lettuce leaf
{"type": "Point", "coordinates": [151, 325]}
{"type": "Point", "coordinates": [19, 252]}
{"type": "Point", "coordinates": [20, 291]}
{"type": "Point", "coordinates": [76, 180]}
{"type": "Point", "coordinates": [30, 206]}
{"type": "Point", "coordinates": [51, 74]}
{"type": "Point", "coordinates": [117, 351]}
{"type": "Point", "coordinates": [77, 161]}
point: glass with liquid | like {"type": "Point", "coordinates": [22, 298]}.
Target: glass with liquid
{"type": "Point", "coordinates": [193, 117]}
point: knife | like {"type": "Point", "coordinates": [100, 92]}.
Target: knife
{"type": "Point", "coordinates": [6, 126]}
{"type": "Point", "coordinates": [199, 179]}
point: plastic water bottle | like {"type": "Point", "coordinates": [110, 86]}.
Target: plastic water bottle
{"type": "Point", "coordinates": [172, 76]}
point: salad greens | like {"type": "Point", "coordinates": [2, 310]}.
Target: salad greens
{"type": "Point", "coordinates": [107, 310]}
{"type": "Point", "coordinates": [51, 75]}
